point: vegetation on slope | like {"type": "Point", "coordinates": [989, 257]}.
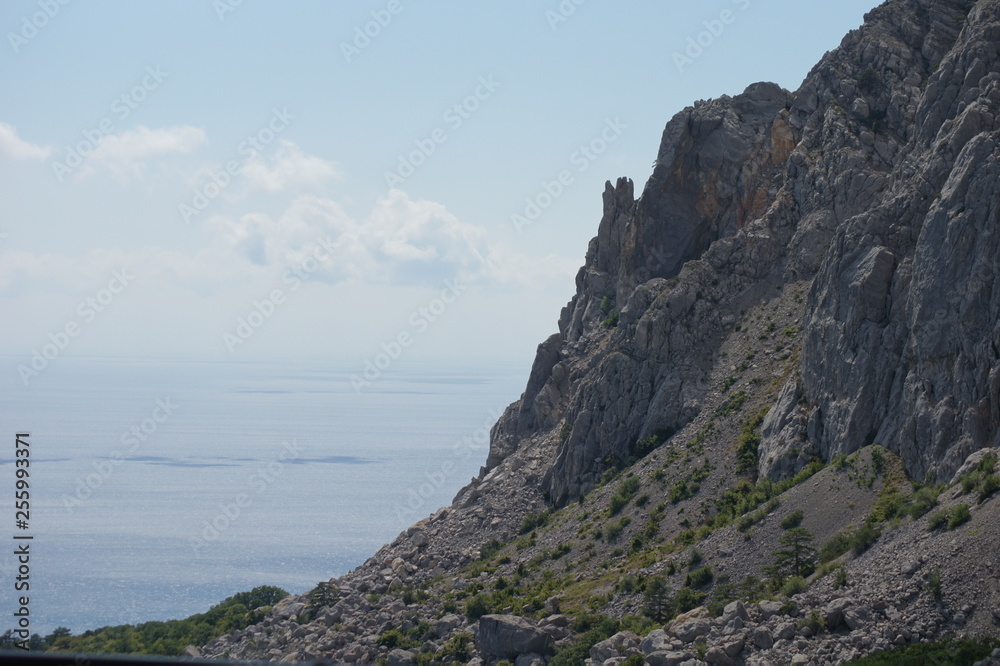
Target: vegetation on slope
{"type": "Point", "coordinates": [162, 638]}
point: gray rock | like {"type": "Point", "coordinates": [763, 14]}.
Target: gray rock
{"type": "Point", "coordinates": [447, 624]}
{"type": "Point", "coordinates": [191, 651]}
{"type": "Point", "coordinates": [762, 638]}
{"type": "Point", "coordinates": [399, 657]}
{"type": "Point", "coordinates": [734, 610]}
{"type": "Point", "coordinates": [785, 631]}
{"type": "Point", "coordinates": [769, 609]}
{"type": "Point", "coordinates": [655, 641]}
{"type": "Point", "coordinates": [718, 657]}
{"type": "Point", "coordinates": [508, 636]}
{"type": "Point", "coordinates": [419, 539]}
{"type": "Point", "coordinates": [621, 644]}
{"type": "Point", "coordinates": [530, 660]}
{"type": "Point", "coordinates": [664, 658]}
{"type": "Point", "coordinates": [733, 626]}
{"type": "Point", "coordinates": [733, 648]}
{"type": "Point", "coordinates": [833, 612]}
{"type": "Point", "coordinates": [856, 617]}
{"type": "Point", "coordinates": [690, 630]}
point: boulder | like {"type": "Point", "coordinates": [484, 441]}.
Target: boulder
{"type": "Point", "coordinates": [762, 638]}
{"type": "Point", "coordinates": [734, 610]}
{"type": "Point", "coordinates": [785, 631]}
{"type": "Point", "coordinates": [664, 658]}
{"type": "Point", "coordinates": [621, 644]}
{"type": "Point", "coordinates": [718, 657]}
{"type": "Point", "coordinates": [508, 636]}
{"type": "Point", "coordinates": [401, 658]}
{"type": "Point", "coordinates": [690, 630]}
{"type": "Point", "coordinates": [655, 641]}
{"type": "Point", "coordinates": [769, 609]}
{"type": "Point", "coordinates": [447, 624]}
{"type": "Point", "coordinates": [856, 617]}
{"type": "Point", "coordinates": [833, 612]}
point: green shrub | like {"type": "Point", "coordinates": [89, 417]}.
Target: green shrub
{"type": "Point", "coordinates": [594, 629]}
{"type": "Point", "coordinates": [615, 527]}
{"type": "Point", "coordinates": [477, 606]}
{"type": "Point", "coordinates": [748, 443]}
{"type": "Point", "coordinates": [839, 544]}
{"type": "Point", "coordinates": [863, 538]}
{"type": "Point", "coordinates": [607, 303]}
{"type": "Point", "coordinates": [814, 621]}
{"type": "Point", "coordinates": [611, 321]}
{"type": "Point", "coordinates": [794, 585]}
{"type": "Point", "coordinates": [490, 549]}
{"type": "Point", "coordinates": [922, 502]}
{"type": "Point", "coordinates": [687, 599]}
{"type": "Point", "coordinates": [793, 520]}
{"type": "Point", "coordinates": [869, 79]}
{"type": "Point", "coordinates": [934, 583]}
{"type": "Point", "coordinates": [840, 578]}
{"type": "Point", "coordinates": [699, 577]}
{"type": "Point", "coordinates": [990, 485]}
{"type": "Point", "coordinates": [457, 648]}
{"type": "Point", "coordinates": [733, 404]}
{"type": "Point", "coordinates": [937, 520]}
{"type": "Point", "coordinates": [959, 516]}
{"type": "Point", "coordinates": [533, 521]}
{"type": "Point", "coordinates": [949, 652]}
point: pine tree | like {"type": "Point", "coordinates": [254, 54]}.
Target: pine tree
{"type": "Point", "coordinates": [658, 601]}
{"type": "Point", "coordinates": [798, 557]}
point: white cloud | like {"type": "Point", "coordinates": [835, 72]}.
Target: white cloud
{"type": "Point", "coordinates": [124, 155]}
{"type": "Point", "coordinates": [402, 241]}
{"type": "Point", "coordinates": [290, 169]}
{"type": "Point", "coordinates": [17, 148]}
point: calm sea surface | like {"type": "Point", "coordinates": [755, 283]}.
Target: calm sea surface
{"type": "Point", "coordinates": [160, 488]}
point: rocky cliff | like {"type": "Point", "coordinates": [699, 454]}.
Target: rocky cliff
{"type": "Point", "coordinates": [877, 182]}
{"type": "Point", "coordinates": [807, 277]}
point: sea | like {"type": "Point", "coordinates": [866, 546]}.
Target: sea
{"type": "Point", "coordinates": [159, 488]}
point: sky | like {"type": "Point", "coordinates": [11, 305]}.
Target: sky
{"type": "Point", "coordinates": [346, 181]}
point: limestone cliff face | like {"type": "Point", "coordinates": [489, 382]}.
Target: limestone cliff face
{"type": "Point", "coordinates": [878, 182]}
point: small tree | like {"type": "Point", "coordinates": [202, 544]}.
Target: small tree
{"type": "Point", "coordinates": [798, 557]}
{"type": "Point", "coordinates": [658, 601]}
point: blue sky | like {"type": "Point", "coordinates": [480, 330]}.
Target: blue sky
{"type": "Point", "coordinates": [288, 121]}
